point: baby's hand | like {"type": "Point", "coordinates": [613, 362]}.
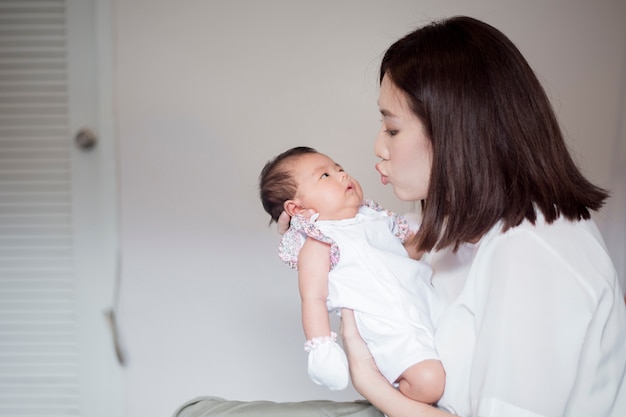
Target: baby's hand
{"type": "Point", "coordinates": [414, 220]}
{"type": "Point", "coordinates": [410, 247]}
{"type": "Point", "coordinates": [284, 219]}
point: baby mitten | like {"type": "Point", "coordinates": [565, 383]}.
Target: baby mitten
{"type": "Point", "coordinates": [328, 364]}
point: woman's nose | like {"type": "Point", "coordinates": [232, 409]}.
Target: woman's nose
{"type": "Point", "coordinates": [379, 145]}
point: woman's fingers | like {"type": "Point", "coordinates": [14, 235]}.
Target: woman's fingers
{"type": "Point", "coordinates": [355, 346]}
{"type": "Point", "coordinates": [348, 323]}
{"type": "Point", "coordinates": [284, 219]}
{"type": "Point", "coordinates": [283, 222]}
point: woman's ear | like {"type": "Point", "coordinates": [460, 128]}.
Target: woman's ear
{"type": "Point", "coordinates": [292, 207]}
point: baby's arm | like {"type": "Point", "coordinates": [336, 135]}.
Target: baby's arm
{"type": "Point", "coordinates": [313, 267]}
{"type": "Point", "coordinates": [327, 363]}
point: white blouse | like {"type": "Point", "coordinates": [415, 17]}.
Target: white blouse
{"type": "Point", "coordinates": [535, 324]}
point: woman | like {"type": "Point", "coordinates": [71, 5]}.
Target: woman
{"type": "Point", "coordinates": [535, 323]}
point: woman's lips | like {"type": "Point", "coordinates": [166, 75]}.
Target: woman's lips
{"type": "Point", "coordinates": [383, 178]}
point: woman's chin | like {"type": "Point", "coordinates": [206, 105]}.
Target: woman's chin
{"type": "Point", "coordinates": [404, 195]}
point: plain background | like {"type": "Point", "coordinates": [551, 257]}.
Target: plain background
{"type": "Point", "coordinates": [207, 91]}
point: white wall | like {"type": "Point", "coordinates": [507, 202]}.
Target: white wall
{"type": "Point", "coordinates": [208, 91]}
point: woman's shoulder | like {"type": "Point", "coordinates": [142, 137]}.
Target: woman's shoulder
{"type": "Point", "coordinates": [550, 251]}
{"type": "Point", "coordinates": [564, 237]}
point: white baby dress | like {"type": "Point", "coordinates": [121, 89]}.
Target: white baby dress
{"type": "Point", "coordinates": [372, 274]}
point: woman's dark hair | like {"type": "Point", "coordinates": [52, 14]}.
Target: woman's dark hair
{"type": "Point", "coordinates": [277, 183]}
{"type": "Point", "coordinates": [498, 151]}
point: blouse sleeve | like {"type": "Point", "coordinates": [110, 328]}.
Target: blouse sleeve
{"type": "Point", "coordinates": [549, 337]}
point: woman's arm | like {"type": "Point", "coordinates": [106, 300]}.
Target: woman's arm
{"type": "Point", "coordinates": [370, 383]}
{"type": "Point", "coordinates": [313, 267]}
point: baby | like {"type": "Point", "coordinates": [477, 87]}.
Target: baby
{"type": "Point", "coordinates": [350, 254]}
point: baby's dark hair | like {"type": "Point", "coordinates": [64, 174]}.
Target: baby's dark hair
{"type": "Point", "coordinates": [277, 183]}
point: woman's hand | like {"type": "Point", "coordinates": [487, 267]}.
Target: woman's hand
{"type": "Point", "coordinates": [370, 383]}
{"type": "Point", "coordinates": [283, 222]}
{"type": "Point", "coordinates": [359, 356]}
{"type": "Point", "coordinates": [363, 370]}
{"type": "Point", "coordinates": [284, 219]}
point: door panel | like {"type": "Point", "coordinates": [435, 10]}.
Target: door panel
{"type": "Point", "coordinates": [53, 294]}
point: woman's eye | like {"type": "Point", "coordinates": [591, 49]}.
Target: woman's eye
{"type": "Point", "coordinates": [390, 132]}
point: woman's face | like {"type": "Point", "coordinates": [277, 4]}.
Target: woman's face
{"type": "Point", "coordinates": [404, 149]}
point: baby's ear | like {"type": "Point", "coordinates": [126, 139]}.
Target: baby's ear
{"type": "Point", "coordinates": [292, 207]}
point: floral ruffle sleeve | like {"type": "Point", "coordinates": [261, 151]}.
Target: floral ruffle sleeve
{"type": "Point", "coordinates": [400, 224]}
{"type": "Point", "coordinates": [300, 228]}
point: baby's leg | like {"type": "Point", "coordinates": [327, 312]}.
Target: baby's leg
{"type": "Point", "coordinates": [423, 381]}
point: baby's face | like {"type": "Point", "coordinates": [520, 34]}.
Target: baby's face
{"type": "Point", "coordinates": [326, 188]}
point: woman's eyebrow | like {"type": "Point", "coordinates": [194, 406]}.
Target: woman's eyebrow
{"type": "Point", "coordinates": [387, 113]}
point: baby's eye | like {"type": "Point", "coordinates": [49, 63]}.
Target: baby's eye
{"type": "Point", "coordinates": [324, 175]}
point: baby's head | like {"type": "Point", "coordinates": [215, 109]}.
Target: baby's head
{"type": "Point", "coordinates": [277, 182]}
{"type": "Point", "coordinates": [302, 178]}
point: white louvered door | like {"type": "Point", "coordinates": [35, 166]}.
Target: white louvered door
{"type": "Point", "coordinates": [54, 345]}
